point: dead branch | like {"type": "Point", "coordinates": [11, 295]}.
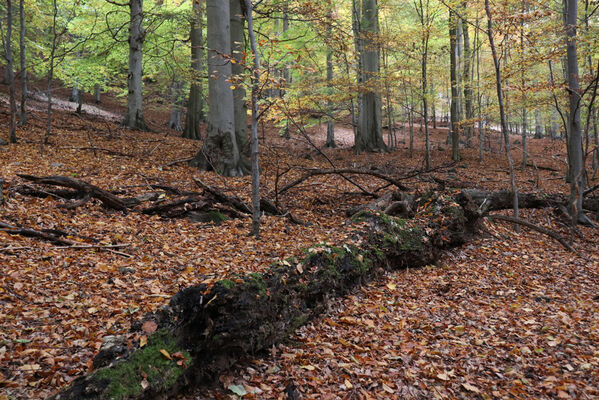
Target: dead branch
{"type": "Point", "coordinates": [175, 162]}
{"type": "Point", "coordinates": [28, 232]}
{"type": "Point", "coordinates": [340, 172]}
{"type": "Point", "coordinates": [534, 227]}
{"type": "Point", "coordinates": [223, 198]}
{"type": "Point", "coordinates": [590, 190]}
{"type": "Point", "coordinates": [108, 199]}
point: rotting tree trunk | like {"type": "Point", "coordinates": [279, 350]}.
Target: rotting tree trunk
{"type": "Point", "coordinates": [134, 116]}
{"type": "Point", "coordinates": [195, 105]}
{"type": "Point", "coordinates": [211, 328]}
{"type": "Point", "coordinates": [220, 151]}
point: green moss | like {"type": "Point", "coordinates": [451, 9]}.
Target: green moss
{"type": "Point", "coordinates": [226, 283]}
{"type": "Point", "coordinates": [256, 281]}
{"type": "Point", "coordinates": [161, 373]}
{"type": "Point", "coordinates": [216, 216]}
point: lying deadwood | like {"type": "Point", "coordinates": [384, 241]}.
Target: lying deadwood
{"type": "Point", "coordinates": [590, 190]}
{"type": "Point", "coordinates": [341, 171]}
{"type": "Point", "coordinates": [64, 194]}
{"type": "Point", "coordinates": [223, 198]}
{"type": "Point", "coordinates": [28, 232]}
{"type": "Point", "coordinates": [502, 200]}
{"type": "Point", "coordinates": [269, 207]}
{"type": "Point", "coordinates": [534, 227]}
{"type": "Point", "coordinates": [55, 236]}
{"type": "Point", "coordinates": [397, 204]}
{"type": "Point", "coordinates": [108, 199]}
{"type": "Point", "coordinates": [205, 330]}
{"type": "Point", "coordinates": [167, 207]}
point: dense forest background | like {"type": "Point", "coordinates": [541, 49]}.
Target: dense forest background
{"type": "Point", "coordinates": [142, 142]}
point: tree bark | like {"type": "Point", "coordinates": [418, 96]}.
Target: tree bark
{"type": "Point", "coordinates": [330, 142]}
{"type": "Point", "coordinates": [23, 59]}
{"type": "Point", "coordinates": [195, 104]}
{"type": "Point", "coordinates": [12, 125]}
{"type": "Point", "coordinates": [177, 104]}
{"type": "Point", "coordinates": [454, 108]}
{"type": "Point", "coordinates": [467, 78]}
{"type": "Point", "coordinates": [574, 127]}
{"type": "Point", "coordinates": [220, 150]}
{"type": "Point", "coordinates": [134, 116]}
{"type": "Point", "coordinates": [239, 95]}
{"type": "Point", "coordinates": [370, 119]}
{"type": "Point", "coordinates": [254, 135]}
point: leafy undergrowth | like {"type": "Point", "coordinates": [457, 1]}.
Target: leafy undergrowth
{"type": "Point", "coordinates": [409, 333]}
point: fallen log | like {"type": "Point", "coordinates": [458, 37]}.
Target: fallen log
{"type": "Point", "coordinates": [205, 330]}
{"type": "Point", "coordinates": [108, 199]}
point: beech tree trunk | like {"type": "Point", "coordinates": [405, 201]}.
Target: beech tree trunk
{"type": "Point", "coordinates": [370, 119]}
{"type": "Point", "coordinates": [467, 77]}
{"type": "Point", "coordinates": [454, 108]}
{"type": "Point", "coordinates": [134, 116]}
{"type": "Point", "coordinates": [195, 104]}
{"type": "Point", "coordinates": [12, 126]}
{"type": "Point", "coordinates": [331, 123]}
{"type": "Point", "coordinates": [220, 150]}
{"type": "Point", "coordinates": [574, 127]}
{"type": "Point", "coordinates": [239, 95]}
{"type": "Point", "coordinates": [23, 58]}
{"type": "Point", "coordinates": [177, 105]}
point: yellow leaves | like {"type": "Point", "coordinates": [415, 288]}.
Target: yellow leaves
{"type": "Point", "coordinates": [308, 367]}
{"type": "Point", "coordinates": [165, 354]}
{"type": "Point", "coordinates": [470, 388]}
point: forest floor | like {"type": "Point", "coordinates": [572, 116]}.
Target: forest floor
{"type": "Point", "coordinates": [510, 315]}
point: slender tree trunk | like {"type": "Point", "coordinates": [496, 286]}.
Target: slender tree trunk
{"type": "Point", "coordinates": [51, 73]}
{"type": "Point", "coordinates": [538, 125]}
{"type": "Point", "coordinates": [194, 115]}
{"type": "Point", "coordinates": [467, 77]}
{"type": "Point", "coordinates": [371, 130]}
{"type": "Point", "coordinates": [176, 105]}
{"type": "Point", "coordinates": [239, 102]}
{"type": "Point", "coordinates": [356, 29]}
{"type": "Point", "coordinates": [523, 83]}
{"type": "Point", "coordinates": [455, 130]}
{"type": "Point", "coordinates": [12, 126]}
{"type": "Point", "coordinates": [97, 93]}
{"type": "Point", "coordinates": [331, 123]}
{"type": "Point", "coordinates": [134, 117]}
{"type": "Point", "coordinates": [220, 150]}
{"type": "Point", "coordinates": [478, 95]}
{"type": "Point", "coordinates": [427, 158]}
{"type": "Point", "coordinates": [254, 134]}
{"type": "Point", "coordinates": [575, 131]}
{"type": "Point", "coordinates": [504, 128]}
{"type": "Point", "coordinates": [23, 58]}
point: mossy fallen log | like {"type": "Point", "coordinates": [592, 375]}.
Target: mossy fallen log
{"type": "Point", "coordinates": [209, 329]}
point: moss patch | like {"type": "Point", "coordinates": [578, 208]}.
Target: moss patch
{"type": "Point", "coordinates": [161, 373]}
